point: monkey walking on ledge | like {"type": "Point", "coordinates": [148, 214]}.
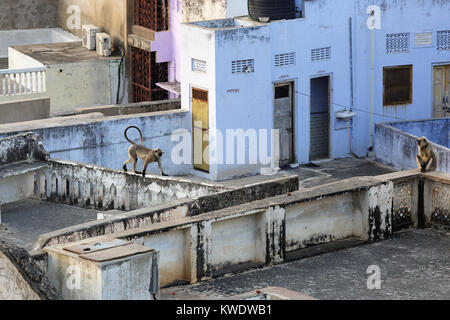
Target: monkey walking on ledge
{"type": "Point", "coordinates": [145, 154]}
{"type": "Point", "coordinates": [426, 157]}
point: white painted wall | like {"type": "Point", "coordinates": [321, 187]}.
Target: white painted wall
{"type": "Point", "coordinates": [10, 38]}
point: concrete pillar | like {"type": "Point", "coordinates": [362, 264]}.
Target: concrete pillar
{"type": "Point", "coordinates": [380, 211]}
{"type": "Point", "coordinates": [201, 251]}
{"type": "Point", "coordinates": [273, 234]}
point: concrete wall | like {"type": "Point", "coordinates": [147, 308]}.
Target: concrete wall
{"type": "Point", "coordinates": [24, 110]}
{"type": "Point", "coordinates": [21, 278]}
{"type": "Point", "coordinates": [25, 14]}
{"type": "Point", "coordinates": [251, 95]}
{"type": "Point", "coordinates": [133, 108]}
{"type": "Point", "coordinates": [10, 38]}
{"type": "Point", "coordinates": [74, 84]}
{"type": "Point", "coordinates": [437, 200]}
{"type": "Point", "coordinates": [399, 149]}
{"type": "Point", "coordinates": [99, 140]}
{"type": "Point", "coordinates": [435, 130]}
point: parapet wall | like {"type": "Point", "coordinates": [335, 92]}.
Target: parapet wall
{"type": "Point", "coordinates": [21, 278]}
{"type": "Point", "coordinates": [26, 146]}
{"type": "Point", "coordinates": [398, 148]}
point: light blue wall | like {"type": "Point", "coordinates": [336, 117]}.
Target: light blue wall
{"type": "Point", "coordinates": [326, 24]}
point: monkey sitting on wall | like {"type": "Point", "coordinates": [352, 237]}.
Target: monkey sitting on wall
{"type": "Point", "coordinates": [427, 157]}
{"type": "Point", "coordinates": [145, 154]}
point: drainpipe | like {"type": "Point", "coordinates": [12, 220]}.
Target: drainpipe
{"type": "Point", "coordinates": [372, 58]}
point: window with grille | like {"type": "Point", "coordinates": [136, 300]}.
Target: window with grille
{"type": "Point", "coordinates": [285, 59]}
{"type": "Point", "coordinates": [243, 66]}
{"type": "Point", "coordinates": [397, 85]}
{"type": "Point", "coordinates": [321, 54]}
{"type": "Point", "coordinates": [152, 14]}
{"type": "Point", "coordinates": [198, 65]}
{"type": "Point", "coordinates": [443, 40]}
{"type": "Point", "coordinates": [397, 42]}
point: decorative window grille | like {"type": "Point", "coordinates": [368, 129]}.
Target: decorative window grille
{"type": "Point", "coordinates": [198, 65]}
{"type": "Point", "coordinates": [243, 66]}
{"type": "Point", "coordinates": [321, 54]}
{"type": "Point", "coordinates": [423, 39]}
{"type": "Point", "coordinates": [443, 40]}
{"type": "Point", "coordinates": [285, 59]}
{"type": "Point", "coordinates": [397, 42]}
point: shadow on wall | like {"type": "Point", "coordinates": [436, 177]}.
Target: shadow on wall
{"type": "Point", "coordinates": [396, 143]}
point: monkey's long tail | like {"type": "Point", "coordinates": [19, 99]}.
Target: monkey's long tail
{"type": "Point", "coordinates": [140, 132]}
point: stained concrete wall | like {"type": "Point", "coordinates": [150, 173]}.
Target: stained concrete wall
{"type": "Point", "coordinates": [133, 108]}
{"type": "Point", "coordinates": [398, 148]}
{"type": "Point", "coordinates": [21, 278]}
{"type": "Point", "coordinates": [197, 248]}
{"type": "Point", "coordinates": [26, 14]}
{"type": "Point", "coordinates": [24, 110]}
{"type": "Point", "coordinates": [99, 140]}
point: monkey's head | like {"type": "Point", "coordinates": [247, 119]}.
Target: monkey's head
{"type": "Point", "coordinates": [423, 142]}
{"type": "Point", "coordinates": [158, 152]}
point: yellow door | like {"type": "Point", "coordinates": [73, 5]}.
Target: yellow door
{"type": "Point", "coordinates": [441, 105]}
{"type": "Point", "coordinates": [200, 128]}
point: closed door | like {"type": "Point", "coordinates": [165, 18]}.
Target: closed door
{"type": "Point", "coordinates": [320, 118]}
{"type": "Point", "coordinates": [441, 105]}
{"type": "Point", "coordinates": [200, 128]}
{"type": "Point", "coordinates": [283, 121]}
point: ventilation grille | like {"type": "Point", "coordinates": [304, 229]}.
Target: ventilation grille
{"type": "Point", "coordinates": [321, 54]}
{"type": "Point", "coordinates": [397, 42]}
{"type": "Point", "coordinates": [243, 66]}
{"type": "Point", "coordinates": [423, 39]}
{"type": "Point", "coordinates": [198, 65]}
{"type": "Point", "coordinates": [443, 40]}
{"type": "Point", "coordinates": [285, 59]}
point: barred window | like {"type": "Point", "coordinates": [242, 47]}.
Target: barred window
{"type": "Point", "coordinates": [397, 42]}
{"type": "Point", "coordinates": [320, 54]}
{"type": "Point", "coordinates": [443, 40]}
{"type": "Point", "coordinates": [243, 66]}
{"type": "Point", "coordinates": [397, 85]}
{"type": "Point", "coordinates": [284, 59]}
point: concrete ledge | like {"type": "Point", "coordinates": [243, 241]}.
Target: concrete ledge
{"type": "Point", "coordinates": [24, 110]}
{"type": "Point", "coordinates": [133, 108]}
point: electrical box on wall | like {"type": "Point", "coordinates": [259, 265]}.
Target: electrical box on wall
{"type": "Point", "coordinates": [89, 34]}
{"type": "Point", "coordinates": [103, 44]}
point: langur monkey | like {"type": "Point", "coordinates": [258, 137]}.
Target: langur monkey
{"type": "Point", "coordinates": [426, 157]}
{"type": "Point", "coordinates": [145, 154]}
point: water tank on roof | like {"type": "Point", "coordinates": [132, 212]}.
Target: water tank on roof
{"type": "Point", "coordinates": [272, 9]}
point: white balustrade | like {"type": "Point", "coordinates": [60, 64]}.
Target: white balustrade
{"type": "Point", "coordinates": [22, 81]}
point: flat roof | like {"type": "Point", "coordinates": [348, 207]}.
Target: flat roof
{"type": "Point", "coordinates": [58, 53]}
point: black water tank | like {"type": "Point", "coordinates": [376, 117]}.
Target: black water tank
{"type": "Point", "coordinates": [274, 9]}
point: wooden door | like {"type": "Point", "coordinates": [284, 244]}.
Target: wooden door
{"type": "Point", "coordinates": [441, 103]}
{"type": "Point", "coordinates": [320, 118]}
{"type": "Point", "coordinates": [200, 129]}
{"type": "Point", "coordinates": [283, 121]}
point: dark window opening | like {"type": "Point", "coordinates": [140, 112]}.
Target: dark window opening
{"type": "Point", "coordinates": [397, 83]}
{"type": "Point", "coordinates": [282, 92]}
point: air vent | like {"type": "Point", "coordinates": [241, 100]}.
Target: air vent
{"type": "Point", "coordinates": [198, 65]}
{"type": "Point", "coordinates": [285, 59]}
{"type": "Point", "coordinates": [443, 40]}
{"type": "Point", "coordinates": [423, 39]}
{"type": "Point", "coordinates": [243, 66]}
{"type": "Point", "coordinates": [321, 54]}
{"type": "Point", "coordinates": [397, 43]}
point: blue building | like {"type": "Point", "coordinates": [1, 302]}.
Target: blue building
{"type": "Point", "coordinates": [322, 79]}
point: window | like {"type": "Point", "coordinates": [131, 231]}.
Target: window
{"type": "Point", "coordinates": [285, 59]}
{"type": "Point", "coordinates": [198, 65]}
{"type": "Point", "coordinates": [397, 43]}
{"type": "Point", "coordinates": [243, 66]}
{"type": "Point", "coordinates": [321, 54]}
{"type": "Point", "coordinates": [397, 85]}
{"type": "Point", "coordinates": [443, 40]}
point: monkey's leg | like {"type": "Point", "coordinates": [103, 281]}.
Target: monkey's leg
{"type": "Point", "coordinates": [134, 165]}
{"type": "Point", "coordinates": [160, 168]}
{"type": "Point", "coordinates": [428, 165]}
{"type": "Point", "coordinates": [420, 163]}
{"type": "Point", "coordinates": [145, 168]}
{"type": "Point", "coordinates": [125, 164]}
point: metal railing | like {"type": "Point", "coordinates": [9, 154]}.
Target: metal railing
{"type": "Point", "coordinates": [22, 81]}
